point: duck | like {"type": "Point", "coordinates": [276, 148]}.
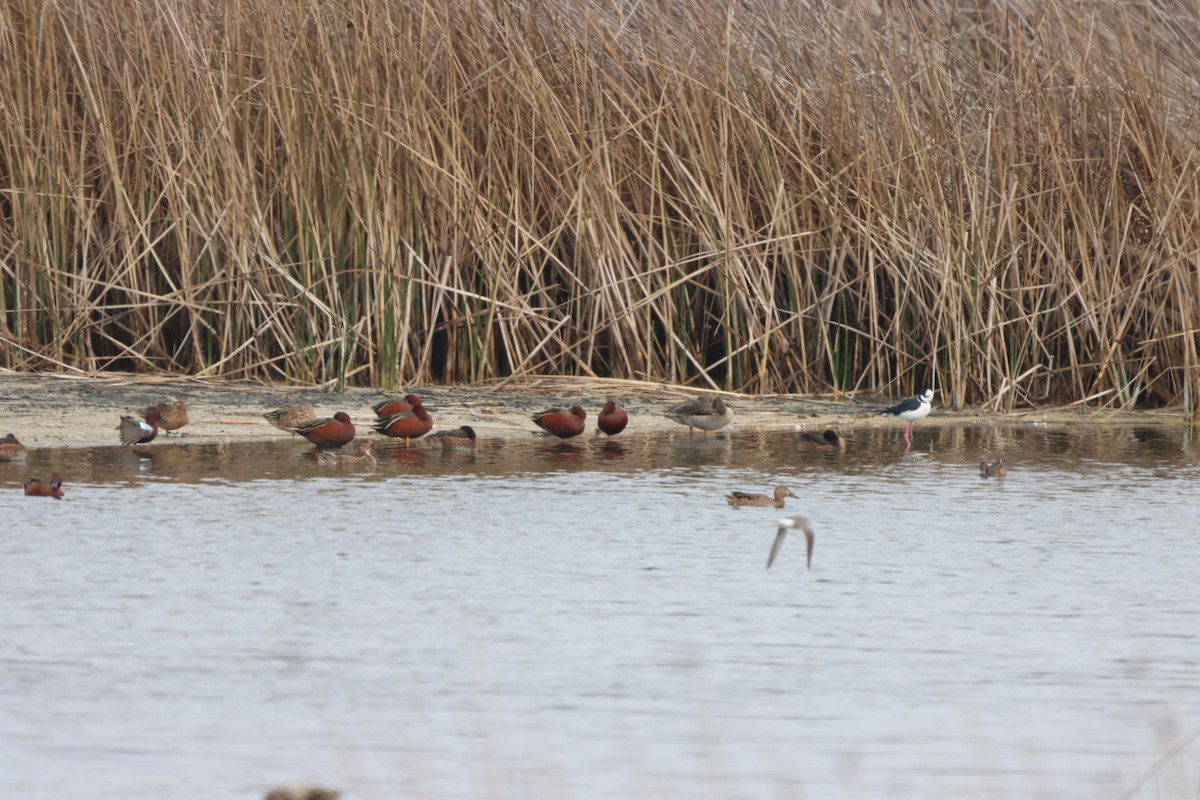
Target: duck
{"type": "Point", "coordinates": [134, 431]}
{"type": "Point", "coordinates": [35, 488]}
{"type": "Point", "coordinates": [994, 470]}
{"type": "Point", "coordinates": [707, 414]}
{"type": "Point", "coordinates": [406, 425]}
{"type": "Point", "coordinates": [563, 423]}
{"type": "Point", "coordinates": [288, 418]}
{"type": "Point", "coordinates": [458, 439]}
{"type": "Point", "coordinates": [302, 793]}
{"type": "Point", "coordinates": [828, 440]}
{"type": "Point", "coordinates": [748, 499]}
{"type": "Point", "coordinates": [11, 449]}
{"type": "Point", "coordinates": [787, 524]}
{"type": "Point", "coordinates": [387, 408]}
{"type": "Point", "coordinates": [172, 414]}
{"type": "Point", "coordinates": [334, 431]}
{"type": "Point", "coordinates": [354, 453]}
{"type": "Point", "coordinates": [612, 419]}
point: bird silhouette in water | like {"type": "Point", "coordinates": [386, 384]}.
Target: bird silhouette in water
{"type": "Point", "coordinates": [786, 524]}
{"type": "Point", "coordinates": [993, 470]}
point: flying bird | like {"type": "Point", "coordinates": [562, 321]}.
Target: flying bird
{"type": "Point", "coordinates": [786, 524]}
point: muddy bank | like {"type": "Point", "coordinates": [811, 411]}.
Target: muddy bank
{"type": "Point", "coordinates": [70, 411]}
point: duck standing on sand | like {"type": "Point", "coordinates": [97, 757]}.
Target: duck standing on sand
{"type": "Point", "coordinates": [11, 449]}
{"type": "Point", "coordinates": [748, 499]}
{"type": "Point", "coordinates": [288, 418]}
{"type": "Point", "coordinates": [134, 431]}
{"type": "Point", "coordinates": [612, 419]}
{"type": "Point", "coordinates": [707, 414]}
{"type": "Point", "coordinates": [172, 414]}
{"type": "Point", "coordinates": [332, 431]}
{"type": "Point", "coordinates": [563, 423]}
{"type": "Point", "coordinates": [406, 425]}
{"type": "Point", "coordinates": [387, 408]}
{"type": "Point", "coordinates": [35, 488]}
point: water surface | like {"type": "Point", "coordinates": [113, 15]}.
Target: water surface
{"type": "Point", "coordinates": [592, 620]}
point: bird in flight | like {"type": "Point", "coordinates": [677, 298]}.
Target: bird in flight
{"type": "Point", "coordinates": [786, 524]}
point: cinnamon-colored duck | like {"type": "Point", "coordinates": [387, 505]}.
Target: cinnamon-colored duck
{"type": "Point", "coordinates": [134, 431]}
{"type": "Point", "coordinates": [35, 488]}
{"type": "Point", "coordinates": [406, 425]}
{"type": "Point", "coordinates": [563, 423]}
{"type": "Point", "coordinates": [332, 431]}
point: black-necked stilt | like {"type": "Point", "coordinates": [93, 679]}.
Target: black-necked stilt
{"type": "Point", "coordinates": [994, 470]}
{"type": "Point", "coordinates": [786, 524]}
{"type": "Point", "coordinates": [911, 410]}
{"type": "Point", "coordinates": [748, 499]}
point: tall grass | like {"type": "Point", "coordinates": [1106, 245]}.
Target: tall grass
{"type": "Point", "coordinates": [999, 199]}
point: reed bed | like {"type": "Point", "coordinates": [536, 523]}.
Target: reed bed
{"type": "Point", "coordinates": [996, 199]}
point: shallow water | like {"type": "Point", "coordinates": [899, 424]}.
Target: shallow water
{"type": "Point", "coordinates": [593, 621]}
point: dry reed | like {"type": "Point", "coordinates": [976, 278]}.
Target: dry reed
{"type": "Point", "coordinates": [998, 199]}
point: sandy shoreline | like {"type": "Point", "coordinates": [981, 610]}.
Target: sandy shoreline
{"type": "Point", "coordinates": [73, 411]}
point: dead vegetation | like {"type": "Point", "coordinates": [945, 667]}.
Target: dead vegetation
{"type": "Point", "coordinates": [997, 199]}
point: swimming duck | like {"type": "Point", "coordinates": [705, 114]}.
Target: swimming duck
{"type": "Point", "coordinates": [748, 499]}
{"type": "Point", "coordinates": [353, 453]}
{"type": "Point", "coordinates": [135, 431]}
{"type": "Point", "coordinates": [995, 470]}
{"type": "Point", "coordinates": [612, 419]}
{"type": "Point", "coordinates": [332, 431]}
{"type": "Point", "coordinates": [707, 414]}
{"type": "Point", "coordinates": [458, 439]}
{"type": "Point", "coordinates": [302, 793]}
{"type": "Point", "coordinates": [11, 449]}
{"type": "Point", "coordinates": [786, 524]}
{"type": "Point", "coordinates": [562, 423]}
{"type": "Point", "coordinates": [35, 488]}
{"type": "Point", "coordinates": [288, 418]}
{"type": "Point", "coordinates": [172, 414]}
{"type": "Point", "coordinates": [829, 440]}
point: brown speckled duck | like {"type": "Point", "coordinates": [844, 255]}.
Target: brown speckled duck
{"type": "Point", "coordinates": [705, 413]}
{"type": "Point", "coordinates": [11, 449]}
{"type": "Point", "coordinates": [748, 499]}
{"type": "Point", "coordinates": [172, 414]}
{"type": "Point", "coordinates": [288, 418]}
